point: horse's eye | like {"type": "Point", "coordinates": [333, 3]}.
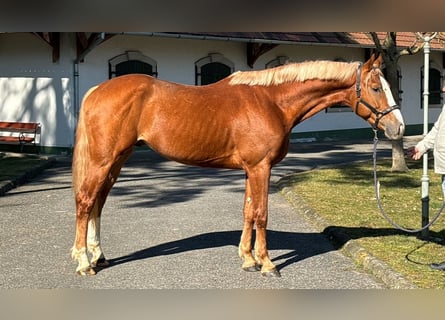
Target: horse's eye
{"type": "Point", "coordinates": [378, 89]}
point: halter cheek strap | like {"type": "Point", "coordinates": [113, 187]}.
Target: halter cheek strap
{"type": "Point", "coordinates": [378, 114]}
{"type": "Point", "coordinates": [358, 89]}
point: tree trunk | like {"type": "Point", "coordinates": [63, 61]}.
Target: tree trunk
{"type": "Point", "coordinates": [398, 157]}
{"type": "Point", "coordinates": [391, 57]}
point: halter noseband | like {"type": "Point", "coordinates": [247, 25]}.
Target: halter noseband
{"type": "Point", "coordinates": [378, 114]}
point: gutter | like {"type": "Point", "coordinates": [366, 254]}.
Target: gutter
{"type": "Point", "coordinates": [250, 40]}
{"type": "Point", "coordinates": [237, 39]}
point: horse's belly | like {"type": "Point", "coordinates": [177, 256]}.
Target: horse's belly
{"type": "Point", "coordinates": [199, 147]}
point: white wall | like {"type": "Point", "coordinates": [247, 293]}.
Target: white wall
{"type": "Point", "coordinates": [411, 67]}
{"type": "Point", "coordinates": [33, 88]}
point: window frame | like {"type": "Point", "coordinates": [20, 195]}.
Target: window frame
{"type": "Point", "coordinates": [211, 58]}
{"type": "Point", "coordinates": [131, 56]}
{"type": "Point", "coordinates": [434, 66]}
{"type": "Point", "coordinates": [278, 61]}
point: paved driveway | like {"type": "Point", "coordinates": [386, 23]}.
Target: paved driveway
{"type": "Point", "coordinates": [166, 225]}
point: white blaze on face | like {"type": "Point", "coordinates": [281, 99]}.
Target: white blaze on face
{"type": "Point", "coordinates": [387, 92]}
{"type": "Point", "coordinates": [390, 99]}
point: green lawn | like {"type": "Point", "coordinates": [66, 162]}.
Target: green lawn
{"type": "Point", "coordinates": [13, 165]}
{"type": "Point", "coordinates": [345, 198]}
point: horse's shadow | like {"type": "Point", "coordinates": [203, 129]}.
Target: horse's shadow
{"type": "Point", "coordinates": [299, 246]}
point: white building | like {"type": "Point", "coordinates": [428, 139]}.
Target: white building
{"type": "Point", "coordinates": [41, 79]}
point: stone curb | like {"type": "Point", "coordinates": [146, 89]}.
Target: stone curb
{"type": "Point", "coordinates": [32, 172]}
{"type": "Point", "coordinates": [369, 263]}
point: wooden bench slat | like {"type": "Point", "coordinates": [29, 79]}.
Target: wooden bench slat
{"type": "Point", "coordinates": [19, 125]}
{"type": "Point", "coordinates": [14, 130]}
{"type": "Point", "coordinates": [19, 132]}
{"type": "Point", "coordinates": [9, 139]}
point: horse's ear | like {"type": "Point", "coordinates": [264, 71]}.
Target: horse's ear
{"type": "Point", "coordinates": [375, 61]}
{"type": "Point", "coordinates": [378, 60]}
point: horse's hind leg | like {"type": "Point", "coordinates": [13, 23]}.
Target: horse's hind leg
{"type": "Point", "coordinates": [89, 203]}
{"type": "Point", "coordinates": [93, 234]}
{"type": "Point", "coordinates": [93, 237]}
{"type": "Point", "coordinates": [86, 199]}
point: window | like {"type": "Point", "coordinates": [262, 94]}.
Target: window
{"type": "Point", "coordinates": [132, 62]}
{"type": "Point", "coordinates": [278, 61]}
{"type": "Point", "coordinates": [434, 87]}
{"type": "Point", "coordinates": [212, 68]}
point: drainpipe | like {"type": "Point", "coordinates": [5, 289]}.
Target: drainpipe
{"type": "Point", "coordinates": [76, 78]}
{"type": "Point", "coordinates": [76, 97]}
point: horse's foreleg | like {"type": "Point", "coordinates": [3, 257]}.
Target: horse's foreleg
{"type": "Point", "coordinates": [245, 246]}
{"type": "Point", "coordinates": [259, 183]}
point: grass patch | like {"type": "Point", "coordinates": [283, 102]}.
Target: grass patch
{"type": "Point", "coordinates": [345, 198]}
{"type": "Point", "coordinates": [14, 165]}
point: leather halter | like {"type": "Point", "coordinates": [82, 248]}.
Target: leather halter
{"type": "Point", "coordinates": [378, 114]}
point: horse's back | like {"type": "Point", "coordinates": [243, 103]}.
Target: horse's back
{"type": "Point", "coordinates": [215, 125]}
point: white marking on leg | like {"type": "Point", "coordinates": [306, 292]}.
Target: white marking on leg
{"type": "Point", "coordinates": [93, 240]}
{"type": "Point", "coordinates": [82, 259]}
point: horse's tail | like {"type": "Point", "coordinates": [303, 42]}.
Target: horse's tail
{"type": "Point", "coordinates": [81, 156]}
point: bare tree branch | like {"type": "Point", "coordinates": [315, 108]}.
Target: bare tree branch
{"type": "Point", "coordinates": [376, 40]}
{"type": "Point", "coordinates": [411, 50]}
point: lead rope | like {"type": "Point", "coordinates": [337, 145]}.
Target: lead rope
{"type": "Point", "coordinates": [379, 203]}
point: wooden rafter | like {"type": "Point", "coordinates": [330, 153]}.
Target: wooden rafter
{"type": "Point", "coordinates": [53, 40]}
{"type": "Point", "coordinates": [86, 42]}
{"type": "Point", "coordinates": [255, 50]}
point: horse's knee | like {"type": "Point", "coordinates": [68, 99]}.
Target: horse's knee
{"type": "Point", "coordinates": [261, 220]}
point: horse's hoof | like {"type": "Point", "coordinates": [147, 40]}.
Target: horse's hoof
{"type": "Point", "coordinates": [254, 268]}
{"type": "Point", "coordinates": [274, 273]}
{"type": "Point", "coordinates": [86, 272]}
{"type": "Point", "coordinates": [101, 263]}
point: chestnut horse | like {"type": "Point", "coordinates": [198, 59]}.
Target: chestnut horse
{"type": "Point", "coordinates": [241, 122]}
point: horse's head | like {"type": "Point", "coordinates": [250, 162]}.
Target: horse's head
{"type": "Point", "coordinates": [375, 102]}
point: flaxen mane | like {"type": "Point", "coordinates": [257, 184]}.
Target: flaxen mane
{"type": "Point", "coordinates": [323, 70]}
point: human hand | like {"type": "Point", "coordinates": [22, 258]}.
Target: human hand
{"type": "Point", "coordinates": [413, 153]}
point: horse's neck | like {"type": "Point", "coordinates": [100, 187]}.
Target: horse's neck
{"type": "Point", "coordinates": [301, 101]}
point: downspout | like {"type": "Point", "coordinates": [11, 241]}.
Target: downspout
{"type": "Point", "coordinates": [76, 81]}
{"type": "Point", "coordinates": [76, 98]}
